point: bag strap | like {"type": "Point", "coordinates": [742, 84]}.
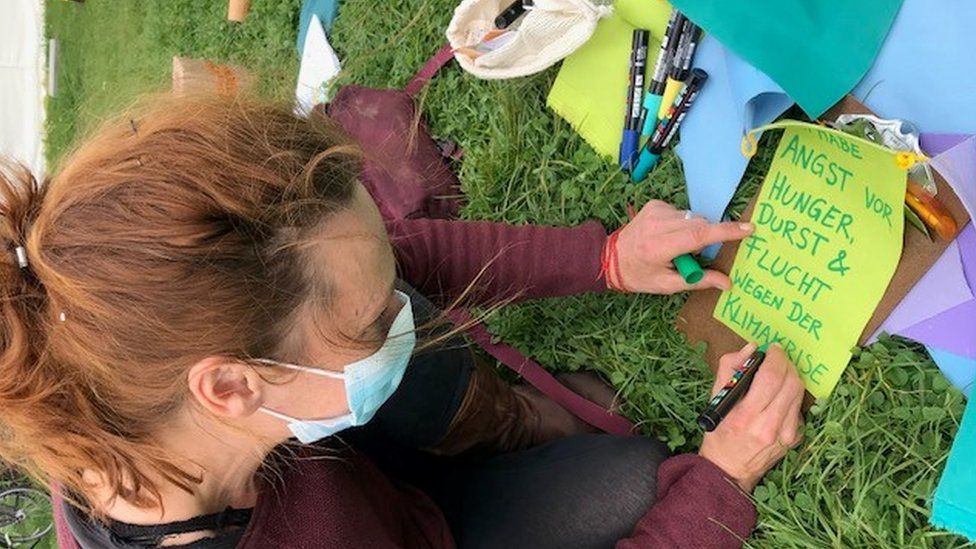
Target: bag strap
{"type": "Point", "coordinates": [430, 68]}
{"type": "Point", "coordinates": [538, 377]}
{"type": "Point", "coordinates": [531, 371]}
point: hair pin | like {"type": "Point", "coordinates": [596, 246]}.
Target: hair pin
{"type": "Point", "coordinates": [21, 254]}
{"type": "Point", "coordinates": [132, 163]}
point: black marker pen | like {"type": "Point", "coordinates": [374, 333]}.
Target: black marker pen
{"type": "Point", "coordinates": [734, 390]}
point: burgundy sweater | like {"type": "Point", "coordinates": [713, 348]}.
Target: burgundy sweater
{"type": "Point", "coordinates": [347, 502]}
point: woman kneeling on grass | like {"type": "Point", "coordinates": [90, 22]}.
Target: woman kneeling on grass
{"type": "Point", "coordinates": [202, 285]}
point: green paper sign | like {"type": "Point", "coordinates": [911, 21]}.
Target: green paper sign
{"type": "Point", "coordinates": [828, 238]}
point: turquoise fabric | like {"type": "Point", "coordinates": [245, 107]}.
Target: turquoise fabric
{"type": "Point", "coordinates": [817, 50]}
{"type": "Point", "coordinates": [325, 9]}
{"type": "Point", "coordinates": [954, 505]}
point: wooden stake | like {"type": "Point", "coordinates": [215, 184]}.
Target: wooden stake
{"type": "Point", "coordinates": [237, 10]}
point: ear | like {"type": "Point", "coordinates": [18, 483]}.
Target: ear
{"type": "Point", "coordinates": [225, 387]}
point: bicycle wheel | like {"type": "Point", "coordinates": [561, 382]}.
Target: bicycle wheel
{"type": "Point", "coordinates": [25, 516]}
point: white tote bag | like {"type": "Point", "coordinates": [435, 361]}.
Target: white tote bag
{"type": "Point", "coordinates": [549, 31]}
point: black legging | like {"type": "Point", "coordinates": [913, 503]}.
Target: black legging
{"type": "Point", "coordinates": [582, 491]}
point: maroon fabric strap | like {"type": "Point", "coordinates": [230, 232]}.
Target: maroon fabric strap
{"type": "Point", "coordinates": [542, 380]}
{"type": "Point", "coordinates": [430, 68]}
{"type": "Point", "coordinates": [65, 539]}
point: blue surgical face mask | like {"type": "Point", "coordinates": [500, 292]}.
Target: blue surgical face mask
{"type": "Point", "coordinates": [369, 382]}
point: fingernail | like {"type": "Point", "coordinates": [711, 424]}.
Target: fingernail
{"type": "Point", "coordinates": [750, 347]}
{"type": "Point", "coordinates": [747, 227]}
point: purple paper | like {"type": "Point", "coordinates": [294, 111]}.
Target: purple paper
{"type": "Point", "coordinates": [952, 331]}
{"type": "Point", "coordinates": [943, 287]}
{"type": "Point", "coordinates": [946, 284]}
{"type": "Point", "coordinates": [938, 143]}
{"type": "Point", "coordinates": [958, 166]}
{"type": "Point", "coordinates": [967, 251]}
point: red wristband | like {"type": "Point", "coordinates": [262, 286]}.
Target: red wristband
{"type": "Point", "coordinates": [609, 260]}
{"type": "Point", "coordinates": [610, 263]}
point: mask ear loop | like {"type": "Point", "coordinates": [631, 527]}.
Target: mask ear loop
{"type": "Point", "coordinates": [330, 421]}
{"type": "Point", "coordinates": [279, 415]}
{"type": "Point", "coordinates": [316, 371]}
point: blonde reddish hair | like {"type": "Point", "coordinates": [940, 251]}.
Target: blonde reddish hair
{"type": "Point", "coordinates": [169, 236]}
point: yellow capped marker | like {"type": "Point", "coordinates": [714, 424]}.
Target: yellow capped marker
{"type": "Point", "coordinates": [680, 65]}
{"type": "Point", "coordinates": [671, 90]}
{"type": "Point", "coordinates": [653, 101]}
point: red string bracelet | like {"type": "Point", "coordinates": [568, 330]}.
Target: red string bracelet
{"type": "Point", "coordinates": [610, 263]}
{"type": "Point", "coordinates": [609, 258]}
{"type": "Point", "coordinates": [604, 262]}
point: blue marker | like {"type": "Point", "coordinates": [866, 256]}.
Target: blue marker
{"type": "Point", "coordinates": [635, 91]}
{"type": "Point", "coordinates": [668, 127]}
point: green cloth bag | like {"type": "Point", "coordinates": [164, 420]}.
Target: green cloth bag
{"type": "Point", "coordinates": [816, 50]}
{"type": "Point", "coordinates": [590, 91]}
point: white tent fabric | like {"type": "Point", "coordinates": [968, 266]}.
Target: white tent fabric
{"type": "Point", "coordinates": [22, 82]}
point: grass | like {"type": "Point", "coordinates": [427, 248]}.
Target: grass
{"type": "Point", "coordinates": [111, 52]}
{"type": "Point", "coordinates": [874, 450]}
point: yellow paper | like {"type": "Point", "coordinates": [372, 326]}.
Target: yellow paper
{"type": "Point", "coordinates": [590, 91]}
{"type": "Point", "coordinates": [829, 229]}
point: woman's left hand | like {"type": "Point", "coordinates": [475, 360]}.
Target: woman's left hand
{"type": "Point", "coordinates": [658, 234]}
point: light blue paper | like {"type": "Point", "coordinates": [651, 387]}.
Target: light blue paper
{"type": "Point", "coordinates": [954, 503]}
{"type": "Point", "coordinates": [959, 370]}
{"type": "Point", "coordinates": [737, 97]}
{"type": "Point", "coordinates": [925, 72]}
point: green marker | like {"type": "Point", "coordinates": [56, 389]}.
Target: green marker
{"type": "Point", "coordinates": [688, 268]}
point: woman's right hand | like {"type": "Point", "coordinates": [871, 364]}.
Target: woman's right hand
{"type": "Point", "coordinates": [759, 430]}
{"type": "Point", "coordinates": [655, 236]}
